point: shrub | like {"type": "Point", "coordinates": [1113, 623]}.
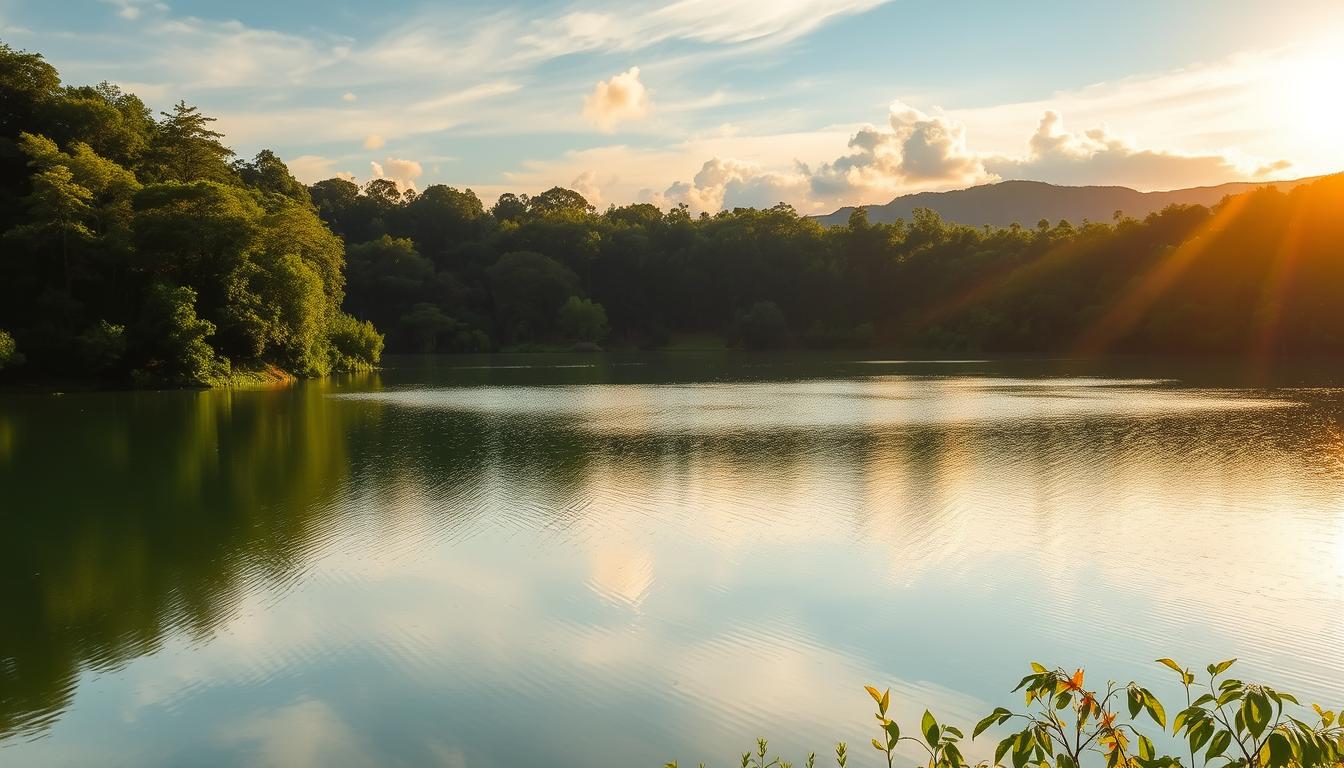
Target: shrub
{"type": "Point", "coordinates": [355, 344]}
{"type": "Point", "coordinates": [9, 351]}
{"type": "Point", "coordinates": [1227, 723]}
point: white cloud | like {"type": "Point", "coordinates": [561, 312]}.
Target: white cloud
{"type": "Point", "coordinates": [348, 96]}
{"type": "Point", "coordinates": [373, 141]}
{"type": "Point", "coordinates": [621, 98]}
{"type": "Point", "coordinates": [919, 150]}
{"type": "Point", "coordinates": [403, 172]}
{"type": "Point", "coordinates": [586, 184]}
{"type": "Point", "coordinates": [727, 183]}
{"type": "Point", "coordinates": [311, 168]}
{"type": "Point", "coordinates": [1096, 156]}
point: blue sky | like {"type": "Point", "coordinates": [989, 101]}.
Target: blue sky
{"type": "Point", "coordinates": [727, 102]}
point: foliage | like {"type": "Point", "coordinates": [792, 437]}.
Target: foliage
{"type": "Point", "coordinates": [1067, 725]}
{"type": "Point", "coordinates": [134, 249]}
{"type": "Point", "coordinates": [583, 320]}
{"type": "Point", "coordinates": [762, 326]}
{"type": "Point", "coordinates": [9, 351]}
{"type": "Point", "coordinates": [174, 341]}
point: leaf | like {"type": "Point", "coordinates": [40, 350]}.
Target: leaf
{"type": "Point", "coordinates": [1219, 744]}
{"type": "Point", "coordinates": [1257, 712]}
{"type": "Point", "coordinates": [878, 746]}
{"type": "Point", "coordinates": [877, 697]}
{"type": "Point", "coordinates": [1155, 709]}
{"type": "Point", "coordinates": [1038, 668]}
{"type": "Point", "coordinates": [930, 728]}
{"type": "Point", "coordinates": [984, 724]}
{"type": "Point", "coordinates": [1173, 665]}
{"type": "Point", "coordinates": [1146, 750]}
{"type": "Point", "coordinates": [1280, 751]}
{"type": "Point", "coordinates": [1135, 702]}
{"type": "Point", "coordinates": [1002, 749]}
{"type": "Point", "coordinates": [1221, 667]}
{"type": "Point", "coordinates": [893, 730]}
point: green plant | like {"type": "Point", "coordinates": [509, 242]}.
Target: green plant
{"type": "Point", "coordinates": [1066, 725]}
{"type": "Point", "coordinates": [940, 741]}
{"type": "Point", "coordinates": [1246, 724]}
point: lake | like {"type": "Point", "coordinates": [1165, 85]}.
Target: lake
{"type": "Point", "coordinates": [620, 560]}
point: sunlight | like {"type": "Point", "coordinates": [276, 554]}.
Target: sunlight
{"type": "Point", "coordinates": [1307, 96]}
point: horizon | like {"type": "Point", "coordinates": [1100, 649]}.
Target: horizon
{"type": "Point", "coordinates": [719, 105]}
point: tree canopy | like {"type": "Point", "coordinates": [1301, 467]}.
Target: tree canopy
{"type": "Point", "coordinates": [136, 251]}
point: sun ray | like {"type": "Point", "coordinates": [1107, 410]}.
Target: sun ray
{"type": "Point", "coordinates": [1131, 308]}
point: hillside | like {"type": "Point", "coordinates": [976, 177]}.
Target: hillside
{"type": "Point", "coordinates": [1027, 202]}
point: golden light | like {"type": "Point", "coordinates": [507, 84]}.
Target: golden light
{"type": "Point", "coordinates": [1307, 90]}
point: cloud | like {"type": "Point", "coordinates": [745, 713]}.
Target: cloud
{"type": "Point", "coordinates": [348, 96]}
{"type": "Point", "coordinates": [373, 141]}
{"type": "Point", "coordinates": [311, 168]}
{"type": "Point", "coordinates": [586, 184]}
{"type": "Point", "coordinates": [1096, 156]}
{"type": "Point", "coordinates": [403, 172]}
{"type": "Point", "coordinates": [1274, 167]}
{"type": "Point", "coordinates": [621, 98]}
{"type": "Point", "coordinates": [726, 183]}
{"type": "Point", "coordinates": [918, 150]}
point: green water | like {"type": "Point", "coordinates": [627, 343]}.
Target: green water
{"type": "Point", "coordinates": [615, 561]}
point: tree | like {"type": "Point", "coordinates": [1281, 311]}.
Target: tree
{"type": "Point", "coordinates": [172, 339]}
{"type": "Point", "coordinates": [267, 173]}
{"type": "Point", "coordinates": [186, 149]}
{"type": "Point", "coordinates": [762, 326]}
{"type": "Point", "coordinates": [583, 320]}
{"type": "Point", "coordinates": [59, 209]}
{"type": "Point", "coordinates": [558, 201]}
{"type": "Point", "coordinates": [9, 351]}
{"type": "Point", "coordinates": [426, 323]}
{"type": "Point", "coordinates": [528, 289]}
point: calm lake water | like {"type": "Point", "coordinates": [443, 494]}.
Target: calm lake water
{"type": "Point", "coordinates": [616, 561]}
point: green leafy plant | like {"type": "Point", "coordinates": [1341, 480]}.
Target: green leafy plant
{"type": "Point", "coordinates": [1248, 724]}
{"type": "Point", "coordinates": [1067, 725]}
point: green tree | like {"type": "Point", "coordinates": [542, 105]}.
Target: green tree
{"type": "Point", "coordinates": [59, 210]}
{"type": "Point", "coordinates": [426, 323]}
{"type": "Point", "coordinates": [9, 351]}
{"type": "Point", "coordinates": [583, 320]}
{"type": "Point", "coordinates": [267, 173]}
{"type": "Point", "coordinates": [173, 341]}
{"type": "Point", "coordinates": [528, 289]}
{"type": "Point", "coordinates": [186, 149]}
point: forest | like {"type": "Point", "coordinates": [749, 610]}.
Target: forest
{"type": "Point", "coordinates": [137, 249]}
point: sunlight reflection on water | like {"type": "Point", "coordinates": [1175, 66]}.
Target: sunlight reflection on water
{"type": "Point", "coordinates": [411, 568]}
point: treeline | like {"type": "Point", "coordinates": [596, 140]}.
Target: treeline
{"type": "Point", "coordinates": [138, 249]}
{"type": "Point", "coordinates": [1261, 273]}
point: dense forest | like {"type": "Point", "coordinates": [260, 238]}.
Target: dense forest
{"type": "Point", "coordinates": [139, 249]}
{"type": "Point", "coordinates": [1260, 273]}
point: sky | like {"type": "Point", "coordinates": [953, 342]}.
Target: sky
{"type": "Point", "coordinates": [721, 103]}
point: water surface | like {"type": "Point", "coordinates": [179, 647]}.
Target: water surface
{"type": "Point", "coordinates": [614, 561]}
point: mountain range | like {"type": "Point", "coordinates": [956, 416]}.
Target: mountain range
{"type": "Point", "coordinates": [1027, 202]}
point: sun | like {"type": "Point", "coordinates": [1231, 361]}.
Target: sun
{"type": "Point", "coordinates": [1308, 89]}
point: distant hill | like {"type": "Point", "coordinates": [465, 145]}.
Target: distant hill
{"type": "Point", "coordinates": [1027, 202]}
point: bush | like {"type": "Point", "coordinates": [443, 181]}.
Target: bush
{"type": "Point", "coordinates": [174, 339]}
{"type": "Point", "coordinates": [583, 320]}
{"type": "Point", "coordinates": [1235, 723]}
{"type": "Point", "coordinates": [355, 344]}
{"type": "Point", "coordinates": [101, 346]}
{"type": "Point", "coordinates": [9, 351]}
